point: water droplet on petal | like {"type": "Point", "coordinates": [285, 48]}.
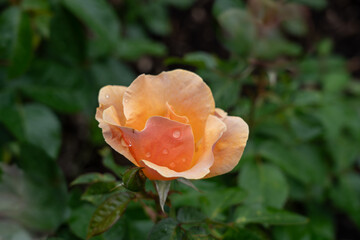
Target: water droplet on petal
{"type": "Point", "coordinates": [165, 151]}
{"type": "Point", "coordinates": [172, 165]}
{"type": "Point", "coordinates": [107, 96]}
{"type": "Point", "coordinates": [183, 159]}
{"type": "Point", "coordinates": [148, 154]}
{"type": "Point", "coordinates": [176, 134]}
{"type": "Point", "coordinates": [126, 100]}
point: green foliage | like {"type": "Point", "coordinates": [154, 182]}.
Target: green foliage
{"type": "Point", "coordinates": [256, 214]}
{"type": "Point", "coordinates": [298, 177]}
{"type": "Point", "coordinates": [264, 184]}
{"type": "Point", "coordinates": [108, 213]}
{"type": "Point", "coordinates": [105, 25]}
{"type": "Point", "coordinates": [134, 179]}
{"type": "Point", "coordinates": [92, 178]}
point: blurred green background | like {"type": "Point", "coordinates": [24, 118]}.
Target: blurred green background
{"type": "Point", "coordinates": [290, 68]}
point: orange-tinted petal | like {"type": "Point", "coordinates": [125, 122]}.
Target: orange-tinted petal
{"type": "Point", "coordinates": [183, 90]}
{"type": "Point", "coordinates": [111, 96]}
{"type": "Point", "coordinates": [163, 142]}
{"type": "Point", "coordinates": [113, 136]}
{"type": "Point", "coordinates": [220, 113]}
{"type": "Point", "coordinates": [110, 115]}
{"type": "Point", "coordinates": [230, 147]}
{"type": "Point", "coordinates": [214, 130]}
{"type": "Point", "coordinates": [173, 116]}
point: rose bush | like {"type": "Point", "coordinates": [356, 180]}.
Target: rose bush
{"type": "Point", "coordinates": [168, 124]}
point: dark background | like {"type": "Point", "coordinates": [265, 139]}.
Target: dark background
{"type": "Point", "coordinates": [294, 80]}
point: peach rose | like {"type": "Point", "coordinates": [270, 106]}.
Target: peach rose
{"type": "Point", "coordinates": [168, 124]}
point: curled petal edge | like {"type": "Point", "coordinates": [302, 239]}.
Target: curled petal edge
{"type": "Point", "coordinates": [230, 147]}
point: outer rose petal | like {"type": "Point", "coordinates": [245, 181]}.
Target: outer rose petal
{"type": "Point", "coordinates": [183, 90]}
{"type": "Point", "coordinates": [111, 96]}
{"type": "Point", "coordinates": [163, 141]}
{"type": "Point", "coordinates": [220, 113]}
{"type": "Point", "coordinates": [110, 115]}
{"type": "Point", "coordinates": [214, 130]}
{"type": "Point", "coordinates": [113, 137]}
{"type": "Point", "coordinates": [230, 147]}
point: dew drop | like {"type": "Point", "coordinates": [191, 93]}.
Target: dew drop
{"type": "Point", "coordinates": [148, 154]}
{"type": "Point", "coordinates": [165, 151]}
{"type": "Point", "coordinates": [183, 159]}
{"type": "Point", "coordinates": [176, 134]}
{"type": "Point", "coordinates": [126, 100]}
{"type": "Point", "coordinates": [107, 96]}
{"type": "Point", "coordinates": [172, 165]}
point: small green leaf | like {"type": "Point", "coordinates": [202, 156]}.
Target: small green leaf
{"type": "Point", "coordinates": [296, 232]}
{"type": "Point", "coordinates": [78, 221]}
{"type": "Point", "coordinates": [166, 229]}
{"type": "Point", "coordinates": [190, 215]}
{"type": "Point", "coordinates": [295, 26]}
{"type": "Point", "coordinates": [240, 39]}
{"type": "Point", "coordinates": [22, 49]}
{"type": "Point", "coordinates": [13, 120]}
{"type": "Point", "coordinates": [201, 59]}
{"type": "Point", "coordinates": [100, 188]}
{"type": "Point", "coordinates": [346, 195]}
{"type": "Point", "coordinates": [257, 214]}
{"type": "Point", "coordinates": [317, 5]}
{"type": "Point", "coordinates": [67, 36]}
{"type": "Point", "coordinates": [42, 128]}
{"type": "Point", "coordinates": [134, 179]}
{"type": "Point", "coordinates": [35, 5]}
{"type": "Point", "coordinates": [221, 6]}
{"type": "Point", "coordinates": [284, 158]}
{"type": "Point", "coordinates": [112, 72]}
{"type": "Point", "coordinates": [303, 130]}
{"type": "Point", "coordinates": [216, 202]}
{"type": "Point", "coordinates": [99, 16]}
{"type": "Point", "coordinates": [156, 18]}
{"type": "Point", "coordinates": [162, 187]}
{"type": "Point", "coordinates": [58, 98]}
{"type": "Point", "coordinates": [243, 233]}
{"type": "Point", "coordinates": [28, 195]}
{"type": "Point", "coordinates": [265, 184]}
{"type": "Point", "coordinates": [93, 177]}
{"type": "Point", "coordinates": [108, 213]}
{"type": "Point", "coordinates": [12, 230]}
{"type": "Point", "coordinates": [133, 49]}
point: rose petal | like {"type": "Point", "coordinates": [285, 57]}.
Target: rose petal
{"type": "Point", "coordinates": [173, 116]}
{"type": "Point", "coordinates": [110, 116]}
{"type": "Point", "coordinates": [214, 130]}
{"type": "Point", "coordinates": [230, 147]}
{"type": "Point", "coordinates": [163, 142]}
{"type": "Point", "coordinates": [220, 113]}
{"type": "Point", "coordinates": [111, 96]}
{"type": "Point", "coordinates": [183, 90]}
{"type": "Point", "coordinates": [113, 136]}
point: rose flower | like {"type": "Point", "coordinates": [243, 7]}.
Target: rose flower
{"type": "Point", "coordinates": [168, 124]}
